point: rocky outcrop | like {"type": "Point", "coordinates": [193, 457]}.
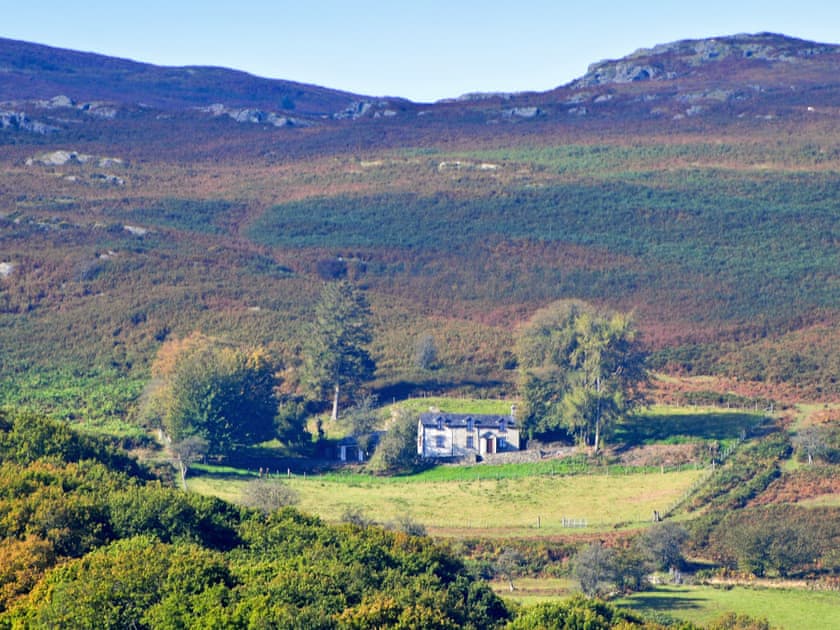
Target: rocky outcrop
{"type": "Point", "coordinates": [479, 96]}
{"type": "Point", "coordinates": [96, 109]}
{"type": "Point", "coordinates": [522, 112]}
{"type": "Point", "coordinates": [673, 60]}
{"type": "Point", "coordinates": [355, 110]}
{"type": "Point", "coordinates": [254, 116]}
{"type": "Point", "coordinates": [108, 179]}
{"type": "Point", "coordinates": [367, 109]}
{"type": "Point", "coordinates": [622, 72]}
{"type": "Point", "coordinates": [21, 122]}
{"type": "Point", "coordinates": [62, 157]}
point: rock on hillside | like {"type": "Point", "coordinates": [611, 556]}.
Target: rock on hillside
{"type": "Point", "coordinates": [683, 58]}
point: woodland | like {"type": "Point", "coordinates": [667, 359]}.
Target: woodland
{"type": "Point", "coordinates": [158, 251]}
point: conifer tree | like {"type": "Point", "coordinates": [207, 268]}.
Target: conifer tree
{"type": "Point", "coordinates": [336, 358]}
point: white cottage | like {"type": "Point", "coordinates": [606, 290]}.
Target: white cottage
{"type": "Point", "coordinates": [455, 435]}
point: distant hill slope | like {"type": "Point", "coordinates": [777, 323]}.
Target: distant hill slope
{"type": "Point", "coordinates": [695, 183]}
{"type": "Point", "coordinates": [32, 71]}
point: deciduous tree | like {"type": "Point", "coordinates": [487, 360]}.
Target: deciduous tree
{"type": "Point", "coordinates": [812, 441]}
{"type": "Point", "coordinates": [580, 370]}
{"type": "Point", "coordinates": [425, 352]}
{"type": "Point", "coordinates": [397, 449]}
{"type": "Point", "coordinates": [661, 546]}
{"type": "Point", "coordinates": [222, 394]}
{"type": "Point", "coordinates": [594, 568]}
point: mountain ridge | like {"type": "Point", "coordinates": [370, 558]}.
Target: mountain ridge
{"type": "Point", "coordinates": [674, 59]}
{"type": "Point", "coordinates": [30, 71]}
{"type": "Point", "coordinates": [36, 71]}
{"type": "Point", "coordinates": [706, 204]}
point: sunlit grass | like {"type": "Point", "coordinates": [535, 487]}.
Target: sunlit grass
{"type": "Point", "coordinates": [533, 506]}
{"type": "Point", "coordinates": [457, 405]}
{"type": "Point", "coordinates": [784, 608]}
{"type": "Point", "coordinates": [528, 590]}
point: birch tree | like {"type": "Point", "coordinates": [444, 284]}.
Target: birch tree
{"type": "Point", "coordinates": [581, 370]}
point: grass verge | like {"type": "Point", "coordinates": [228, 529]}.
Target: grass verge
{"type": "Point", "coordinates": [790, 609]}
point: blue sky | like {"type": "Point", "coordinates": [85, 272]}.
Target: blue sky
{"type": "Point", "coordinates": [423, 50]}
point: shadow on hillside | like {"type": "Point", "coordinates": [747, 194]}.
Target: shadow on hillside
{"type": "Point", "coordinates": [650, 429]}
{"type": "Point", "coordinates": [673, 600]}
{"type": "Point", "coordinates": [250, 464]}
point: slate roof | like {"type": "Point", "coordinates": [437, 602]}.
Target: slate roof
{"type": "Point", "coordinates": [461, 420]}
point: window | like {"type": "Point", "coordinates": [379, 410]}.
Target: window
{"type": "Point", "coordinates": [502, 426]}
{"type": "Point", "coordinates": [440, 424]}
{"type": "Point", "coordinates": [470, 442]}
{"type": "Point", "coordinates": [501, 443]}
{"type": "Point", "coordinates": [440, 441]}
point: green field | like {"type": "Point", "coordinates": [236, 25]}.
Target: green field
{"type": "Point", "coordinates": [456, 405]}
{"type": "Point", "coordinates": [487, 506]}
{"type": "Point", "coordinates": [784, 608]}
{"type": "Point", "coordinates": [529, 590]}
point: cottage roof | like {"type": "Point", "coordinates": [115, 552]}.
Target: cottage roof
{"type": "Point", "coordinates": [430, 419]}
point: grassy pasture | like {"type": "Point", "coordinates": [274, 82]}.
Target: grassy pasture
{"type": "Point", "coordinates": [790, 609]}
{"type": "Point", "coordinates": [528, 590]}
{"type": "Point", "coordinates": [486, 506]}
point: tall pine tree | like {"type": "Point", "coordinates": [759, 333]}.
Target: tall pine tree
{"type": "Point", "coordinates": [336, 359]}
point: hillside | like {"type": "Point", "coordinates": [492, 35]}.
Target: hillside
{"type": "Point", "coordinates": [694, 183]}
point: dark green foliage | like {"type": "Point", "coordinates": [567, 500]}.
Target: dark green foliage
{"type": "Point", "coordinates": [579, 613]}
{"type": "Point", "coordinates": [209, 216]}
{"type": "Point", "coordinates": [59, 503]}
{"type": "Point", "coordinates": [594, 567]}
{"type": "Point", "coordinates": [777, 540]}
{"type": "Point", "coordinates": [27, 437]}
{"type": "Point", "coordinates": [171, 515]}
{"type": "Point", "coordinates": [102, 549]}
{"type": "Point", "coordinates": [362, 420]}
{"type": "Point", "coordinates": [290, 425]}
{"type": "Point", "coordinates": [223, 395]}
{"type": "Point", "coordinates": [397, 450]}
{"type": "Point", "coordinates": [661, 546]}
{"type": "Point", "coordinates": [580, 370]}
{"type": "Point", "coordinates": [137, 582]}
{"type": "Point", "coordinates": [335, 350]}
{"type": "Point", "coordinates": [360, 573]}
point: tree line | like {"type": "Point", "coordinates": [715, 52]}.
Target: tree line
{"type": "Point", "coordinates": [581, 370]}
{"type": "Point", "coordinates": [91, 539]}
